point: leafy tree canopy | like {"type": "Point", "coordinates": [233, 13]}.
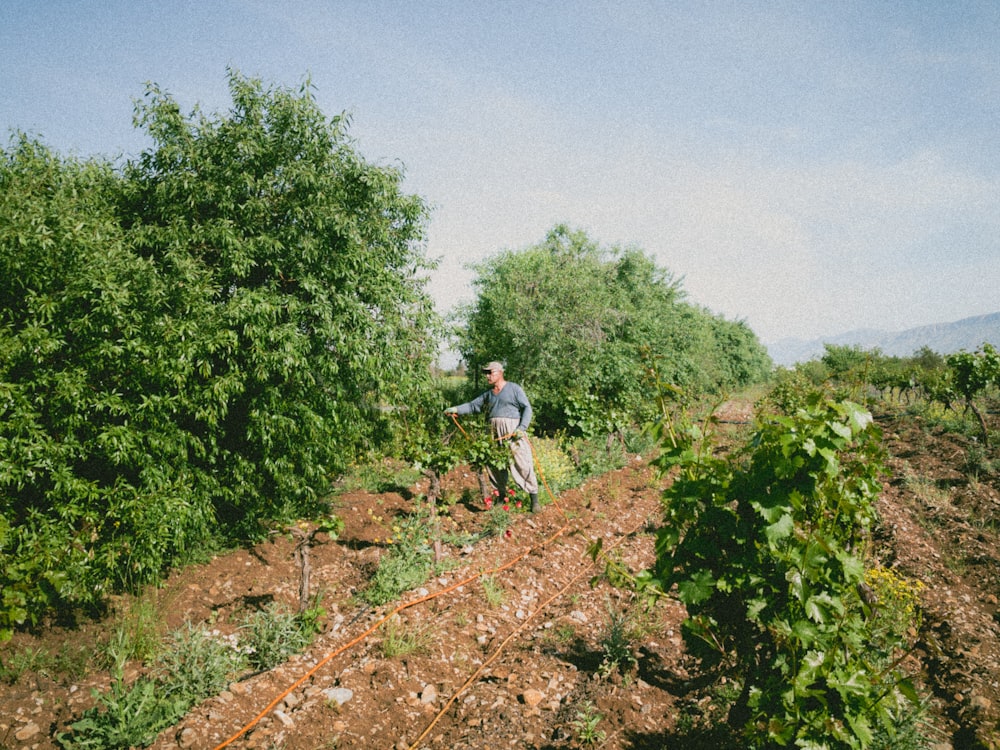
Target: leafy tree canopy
{"type": "Point", "coordinates": [314, 258]}
{"type": "Point", "coordinates": [579, 325]}
{"type": "Point", "coordinates": [195, 343]}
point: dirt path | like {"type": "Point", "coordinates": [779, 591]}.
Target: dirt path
{"type": "Point", "coordinates": [509, 654]}
{"type": "Point", "coordinates": [506, 669]}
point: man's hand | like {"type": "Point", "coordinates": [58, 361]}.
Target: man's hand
{"type": "Point", "coordinates": [451, 410]}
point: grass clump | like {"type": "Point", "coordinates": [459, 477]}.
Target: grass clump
{"type": "Point", "coordinates": [25, 660]}
{"type": "Point", "coordinates": [492, 591]}
{"type": "Point", "coordinates": [136, 636]}
{"type": "Point", "coordinates": [272, 634]}
{"type": "Point", "coordinates": [400, 640]}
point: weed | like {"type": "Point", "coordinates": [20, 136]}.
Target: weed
{"type": "Point", "coordinates": [616, 645]}
{"type": "Point", "coordinates": [398, 640]}
{"type": "Point", "coordinates": [896, 615]}
{"type": "Point", "coordinates": [198, 664]}
{"type": "Point", "coordinates": [73, 659]}
{"type": "Point", "coordinates": [492, 591]}
{"type": "Point", "coordinates": [272, 634]}
{"type": "Point", "coordinates": [499, 513]}
{"type": "Point", "coordinates": [585, 725]}
{"type": "Point", "coordinates": [136, 636]}
{"type": "Point", "coordinates": [26, 660]}
{"type": "Point", "coordinates": [459, 539]}
{"type": "Point", "coordinates": [406, 565]}
{"type": "Point", "coordinates": [554, 464]}
{"type": "Point", "coordinates": [565, 633]}
{"type": "Point", "coordinates": [398, 571]}
{"type": "Point", "coordinates": [378, 476]}
{"type": "Point", "coordinates": [910, 731]}
{"type": "Point", "coordinates": [956, 563]}
{"type": "Point", "coordinates": [125, 717]}
{"type": "Point", "coordinates": [926, 491]}
{"type": "Point", "coordinates": [594, 459]}
{"type": "Point", "coordinates": [975, 460]}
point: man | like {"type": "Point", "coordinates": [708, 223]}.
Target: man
{"type": "Point", "coordinates": [510, 415]}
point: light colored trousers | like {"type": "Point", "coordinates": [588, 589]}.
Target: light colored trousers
{"type": "Point", "coordinates": [522, 464]}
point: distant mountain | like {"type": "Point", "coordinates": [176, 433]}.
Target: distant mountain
{"type": "Point", "coordinates": [944, 338]}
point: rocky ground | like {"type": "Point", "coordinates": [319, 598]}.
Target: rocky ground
{"type": "Point", "coordinates": [509, 639]}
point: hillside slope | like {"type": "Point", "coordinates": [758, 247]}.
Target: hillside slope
{"type": "Point", "coordinates": [510, 652]}
{"type": "Point", "coordinates": [945, 338]}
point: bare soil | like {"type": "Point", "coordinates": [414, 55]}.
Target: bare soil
{"type": "Point", "coordinates": [519, 665]}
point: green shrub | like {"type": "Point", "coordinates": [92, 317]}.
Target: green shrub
{"type": "Point", "coordinates": [271, 635]}
{"type": "Point", "coordinates": [407, 562]}
{"type": "Point", "coordinates": [192, 345]}
{"type": "Point", "coordinates": [553, 464]}
{"type": "Point", "coordinates": [761, 544]}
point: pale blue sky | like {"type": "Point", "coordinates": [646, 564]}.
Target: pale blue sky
{"type": "Point", "coordinates": [809, 167]}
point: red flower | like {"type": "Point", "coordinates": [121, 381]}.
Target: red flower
{"type": "Point", "coordinates": [506, 507]}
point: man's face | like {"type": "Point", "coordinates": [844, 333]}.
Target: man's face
{"type": "Point", "coordinates": [493, 376]}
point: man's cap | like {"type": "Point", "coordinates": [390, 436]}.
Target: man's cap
{"type": "Point", "coordinates": [491, 366]}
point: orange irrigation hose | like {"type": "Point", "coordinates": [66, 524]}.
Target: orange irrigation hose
{"type": "Point", "coordinates": [475, 675]}
{"type": "Point", "coordinates": [326, 659]}
{"type": "Point", "coordinates": [399, 608]}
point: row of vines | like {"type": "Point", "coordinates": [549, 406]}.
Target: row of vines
{"type": "Point", "coordinates": [768, 544]}
{"type": "Point", "coordinates": [961, 381]}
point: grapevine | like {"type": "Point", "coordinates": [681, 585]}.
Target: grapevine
{"type": "Point", "coordinates": [764, 547]}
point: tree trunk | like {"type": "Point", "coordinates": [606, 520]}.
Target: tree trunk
{"type": "Point", "coordinates": [305, 568]}
{"type": "Point", "coordinates": [982, 424]}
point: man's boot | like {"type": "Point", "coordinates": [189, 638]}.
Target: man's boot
{"type": "Point", "coordinates": [534, 502]}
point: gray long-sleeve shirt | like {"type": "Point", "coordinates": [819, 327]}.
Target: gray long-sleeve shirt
{"type": "Point", "coordinates": [511, 402]}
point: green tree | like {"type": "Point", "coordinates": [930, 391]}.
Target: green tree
{"type": "Point", "coordinates": [194, 344]}
{"type": "Point", "coordinates": [970, 375]}
{"type": "Point", "coordinates": [848, 362]}
{"type": "Point", "coordinates": [315, 261]}
{"type": "Point", "coordinates": [579, 325]}
{"type": "Point", "coordinates": [92, 493]}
